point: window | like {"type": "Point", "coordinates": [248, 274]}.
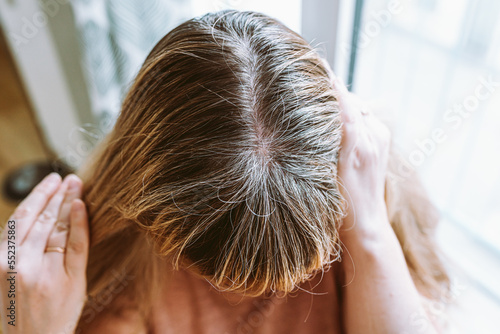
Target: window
{"type": "Point", "coordinates": [436, 64]}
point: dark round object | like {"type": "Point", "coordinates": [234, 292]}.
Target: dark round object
{"type": "Point", "coordinates": [21, 181]}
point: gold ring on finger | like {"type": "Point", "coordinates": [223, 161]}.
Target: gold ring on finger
{"type": "Point", "coordinates": [55, 249]}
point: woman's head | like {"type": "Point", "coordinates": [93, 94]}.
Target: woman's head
{"type": "Point", "coordinates": [223, 159]}
{"type": "Point", "coordinates": [225, 152]}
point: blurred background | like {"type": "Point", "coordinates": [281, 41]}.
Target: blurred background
{"type": "Point", "coordinates": [432, 65]}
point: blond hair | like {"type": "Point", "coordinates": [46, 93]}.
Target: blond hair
{"type": "Point", "coordinates": [224, 159]}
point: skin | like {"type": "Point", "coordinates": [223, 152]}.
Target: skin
{"type": "Point", "coordinates": [379, 295]}
{"type": "Point", "coordinates": [50, 287]}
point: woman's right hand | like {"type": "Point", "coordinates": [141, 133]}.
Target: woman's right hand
{"type": "Point", "coordinates": [44, 288]}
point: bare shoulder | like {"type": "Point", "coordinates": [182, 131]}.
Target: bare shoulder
{"type": "Point", "coordinates": [122, 317]}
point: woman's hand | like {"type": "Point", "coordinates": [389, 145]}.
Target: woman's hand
{"type": "Point", "coordinates": [362, 165]}
{"type": "Point", "coordinates": [43, 287]}
{"type": "Point", "coordinates": [379, 295]}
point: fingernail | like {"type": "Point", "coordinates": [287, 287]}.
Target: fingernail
{"type": "Point", "coordinates": [52, 178]}
{"type": "Point", "coordinates": [72, 182]}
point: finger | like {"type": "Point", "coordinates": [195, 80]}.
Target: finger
{"type": "Point", "coordinates": [59, 234]}
{"type": "Point", "coordinates": [78, 240]}
{"type": "Point", "coordinates": [36, 240]}
{"type": "Point", "coordinates": [352, 123]}
{"type": "Point", "coordinates": [378, 131]}
{"type": "Point", "coordinates": [352, 131]}
{"type": "Point", "coordinates": [348, 111]}
{"type": "Point", "coordinates": [329, 70]}
{"type": "Point", "coordinates": [349, 141]}
{"type": "Point", "coordinates": [27, 211]}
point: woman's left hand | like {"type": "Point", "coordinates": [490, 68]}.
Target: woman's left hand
{"type": "Point", "coordinates": [43, 258]}
{"type": "Point", "coordinates": [362, 166]}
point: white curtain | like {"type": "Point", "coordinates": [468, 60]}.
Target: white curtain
{"type": "Point", "coordinates": [115, 37]}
